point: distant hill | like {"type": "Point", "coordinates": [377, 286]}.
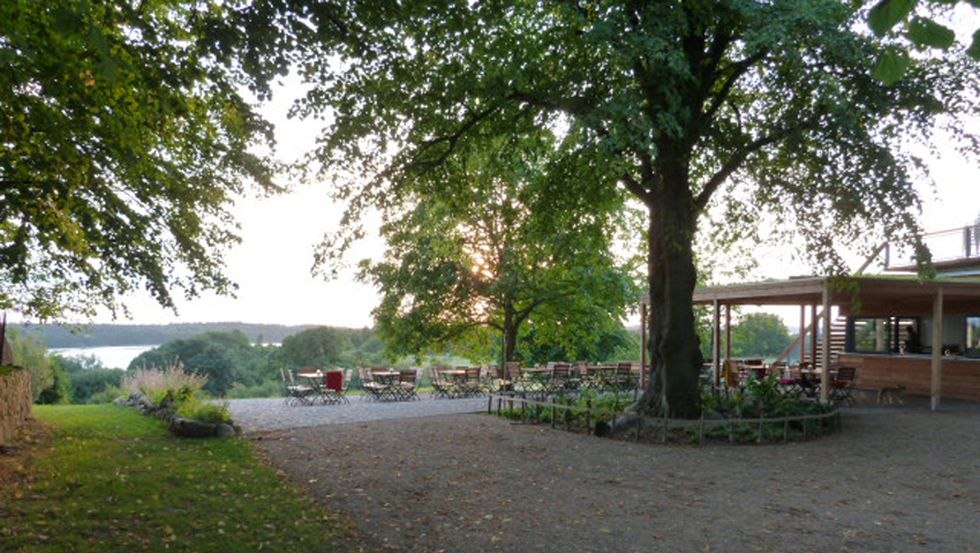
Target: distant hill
{"type": "Point", "coordinates": [99, 335]}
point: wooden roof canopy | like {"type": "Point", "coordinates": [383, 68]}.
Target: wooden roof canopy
{"type": "Point", "coordinates": [855, 295]}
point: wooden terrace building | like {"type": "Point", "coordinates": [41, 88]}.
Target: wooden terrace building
{"type": "Point", "coordinates": [896, 330]}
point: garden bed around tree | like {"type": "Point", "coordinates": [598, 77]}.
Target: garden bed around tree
{"type": "Point", "coordinates": [759, 413]}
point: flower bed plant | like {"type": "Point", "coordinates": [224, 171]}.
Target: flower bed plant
{"type": "Point", "coordinates": [760, 412]}
{"type": "Point", "coordinates": [178, 396]}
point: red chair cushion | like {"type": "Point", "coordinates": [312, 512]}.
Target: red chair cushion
{"type": "Point", "coordinates": [335, 380]}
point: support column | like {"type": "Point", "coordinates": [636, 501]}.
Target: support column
{"type": "Point", "coordinates": [716, 342]}
{"type": "Point", "coordinates": [813, 336]}
{"type": "Point", "coordinates": [936, 387]}
{"type": "Point", "coordinates": [802, 333]}
{"type": "Point", "coordinates": [825, 346]}
{"type": "Point", "coordinates": [728, 331]}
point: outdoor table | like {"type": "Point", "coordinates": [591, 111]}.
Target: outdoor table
{"type": "Point", "coordinates": [384, 385]}
{"type": "Point", "coordinates": [535, 379]}
{"type": "Point", "coordinates": [316, 381]}
{"type": "Point", "coordinates": [457, 381]}
{"type": "Point", "coordinates": [385, 377]}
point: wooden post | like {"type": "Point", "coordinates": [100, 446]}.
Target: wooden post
{"type": "Point", "coordinates": [936, 387]}
{"type": "Point", "coordinates": [813, 336]}
{"type": "Point", "coordinates": [716, 343]}
{"type": "Point", "coordinates": [802, 333]}
{"type": "Point", "coordinates": [825, 350]}
{"type": "Point", "coordinates": [728, 331]}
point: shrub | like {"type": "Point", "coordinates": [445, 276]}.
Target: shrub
{"type": "Point", "coordinates": [207, 412]}
{"type": "Point", "coordinates": [171, 383]}
{"type": "Point", "coordinates": [107, 395]}
{"type": "Point", "coordinates": [269, 388]}
{"type": "Point", "coordinates": [86, 383]}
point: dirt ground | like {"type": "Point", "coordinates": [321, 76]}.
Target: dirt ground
{"type": "Point", "coordinates": [893, 480]}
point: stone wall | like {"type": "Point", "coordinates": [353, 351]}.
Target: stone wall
{"type": "Point", "coordinates": [15, 401]}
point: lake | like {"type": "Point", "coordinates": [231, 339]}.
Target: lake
{"type": "Point", "coordinates": [113, 357]}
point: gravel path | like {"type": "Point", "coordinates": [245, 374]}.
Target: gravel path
{"type": "Point", "coordinates": [894, 480]}
{"type": "Point", "coordinates": [273, 414]}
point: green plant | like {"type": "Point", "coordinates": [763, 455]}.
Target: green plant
{"type": "Point", "coordinates": [201, 411]}
{"type": "Point", "coordinates": [159, 385]}
{"type": "Point", "coordinates": [107, 394]}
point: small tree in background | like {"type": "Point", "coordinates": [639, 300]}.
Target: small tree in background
{"type": "Point", "coordinates": [759, 335]}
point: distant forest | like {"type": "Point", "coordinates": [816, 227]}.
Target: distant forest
{"type": "Point", "coordinates": [99, 335]}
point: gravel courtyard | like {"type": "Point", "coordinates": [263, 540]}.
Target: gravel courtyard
{"type": "Point", "coordinates": [894, 480]}
{"type": "Point", "coordinates": [271, 414]}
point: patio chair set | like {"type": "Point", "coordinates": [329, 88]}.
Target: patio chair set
{"type": "Point", "coordinates": [383, 384]}
{"type": "Point", "coordinates": [451, 383]}
{"type": "Point", "coordinates": [798, 380]}
{"type": "Point", "coordinates": [564, 378]}
{"type": "Point", "coordinates": [309, 386]}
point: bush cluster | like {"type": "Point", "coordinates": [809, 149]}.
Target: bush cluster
{"type": "Point", "coordinates": [175, 389]}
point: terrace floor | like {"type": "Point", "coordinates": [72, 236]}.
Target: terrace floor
{"type": "Point", "coordinates": [273, 414]}
{"type": "Point", "coordinates": [896, 479]}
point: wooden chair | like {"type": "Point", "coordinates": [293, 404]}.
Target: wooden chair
{"type": "Point", "coordinates": [731, 374]}
{"type": "Point", "coordinates": [333, 389]}
{"type": "Point", "coordinates": [295, 393]}
{"type": "Point", "coordinates": [842, 385]}
{"type": "Point", "coordinates": [561, 378]}
{"type": "Point", "coordinates": [512, 375]}
{"type": "Point", "coordinates": [406, 386]}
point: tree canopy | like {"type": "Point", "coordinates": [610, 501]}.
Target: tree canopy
{"type": "Point", "coordinates": [125, 135]}
{"type": "Point", "coordinates": [755, 106]}
{"type": "Point", "coordinates": [912, 23]}
{"type": "Point", "coordinates": [498, 240]}
{"type": "Point", "coordinates": [759, 335]}
{"type": "Point", "coordinates": [321, 347]}
{"type": "Point", "coordinates": [223, 357]}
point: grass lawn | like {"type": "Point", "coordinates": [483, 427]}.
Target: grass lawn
{"type": "Point", "coordinates": [106, 478]}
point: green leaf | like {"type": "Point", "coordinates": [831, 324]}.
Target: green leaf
{"type": "Point", "coordinates": [974, 49]}
{"type": "Point", "coordinates": [888, 13]}
{"type": "Point", "coordinates": [891, 66]}
{"type": "Point", "coordinates": [926, 32]}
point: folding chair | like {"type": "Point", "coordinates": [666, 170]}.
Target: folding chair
{"type": "Point", "coordinates": [333, 390]}
{"type": "Point", "coordinates": [295, 393]}
{"type": "Point", "coordinates": [406, 385]}
{"type": "Point", "coordinates": [842, 385]}
{"type": "Point", "coordinates": [441, 387]}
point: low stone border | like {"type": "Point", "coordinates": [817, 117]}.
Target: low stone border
{"type": "Point", "coordinates": [186, 428]}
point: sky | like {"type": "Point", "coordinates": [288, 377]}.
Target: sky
{"type": "Point", "coordinates": [272, 264]}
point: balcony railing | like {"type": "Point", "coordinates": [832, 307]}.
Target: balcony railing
{"type": "Point", "coordinates": [948, 247]}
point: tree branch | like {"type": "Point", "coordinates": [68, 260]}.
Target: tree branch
{"type": "Point", "coordinates": [739, 157]}
{"type": "Point", "coordinates": [738, 69]}
{"type": "Point", "coordinates": [636, 188]}
{"type": "Point", "coordinates": [451, 140]}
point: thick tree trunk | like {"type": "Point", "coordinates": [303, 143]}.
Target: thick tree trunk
{"type": "Point", "coordinates": [675, 355]}
{"type": "Point", "coordinates": [511, 325]}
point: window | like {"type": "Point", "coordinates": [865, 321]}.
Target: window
{"type": "Point", "coordinates": [888, 335]}
{"type": "Point", "coordinates": [973, 335]}
{"type": "Point", "coordinates": [871, 335]}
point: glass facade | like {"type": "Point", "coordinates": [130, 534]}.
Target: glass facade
{"type": "Point", "coordinates": [884, 335]}
{"type": "Point", "coordinates": [973, 335]}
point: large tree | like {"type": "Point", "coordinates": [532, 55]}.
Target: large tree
{"type": "Point", "coordinates": [767, 106]}
{"type": "Point", "coordinates": [124, 136]}
{"type": "Point", "coordinates": [496, 239]}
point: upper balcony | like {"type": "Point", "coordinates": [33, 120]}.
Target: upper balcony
{"type": "Point", "coordinates": [955, 252]}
